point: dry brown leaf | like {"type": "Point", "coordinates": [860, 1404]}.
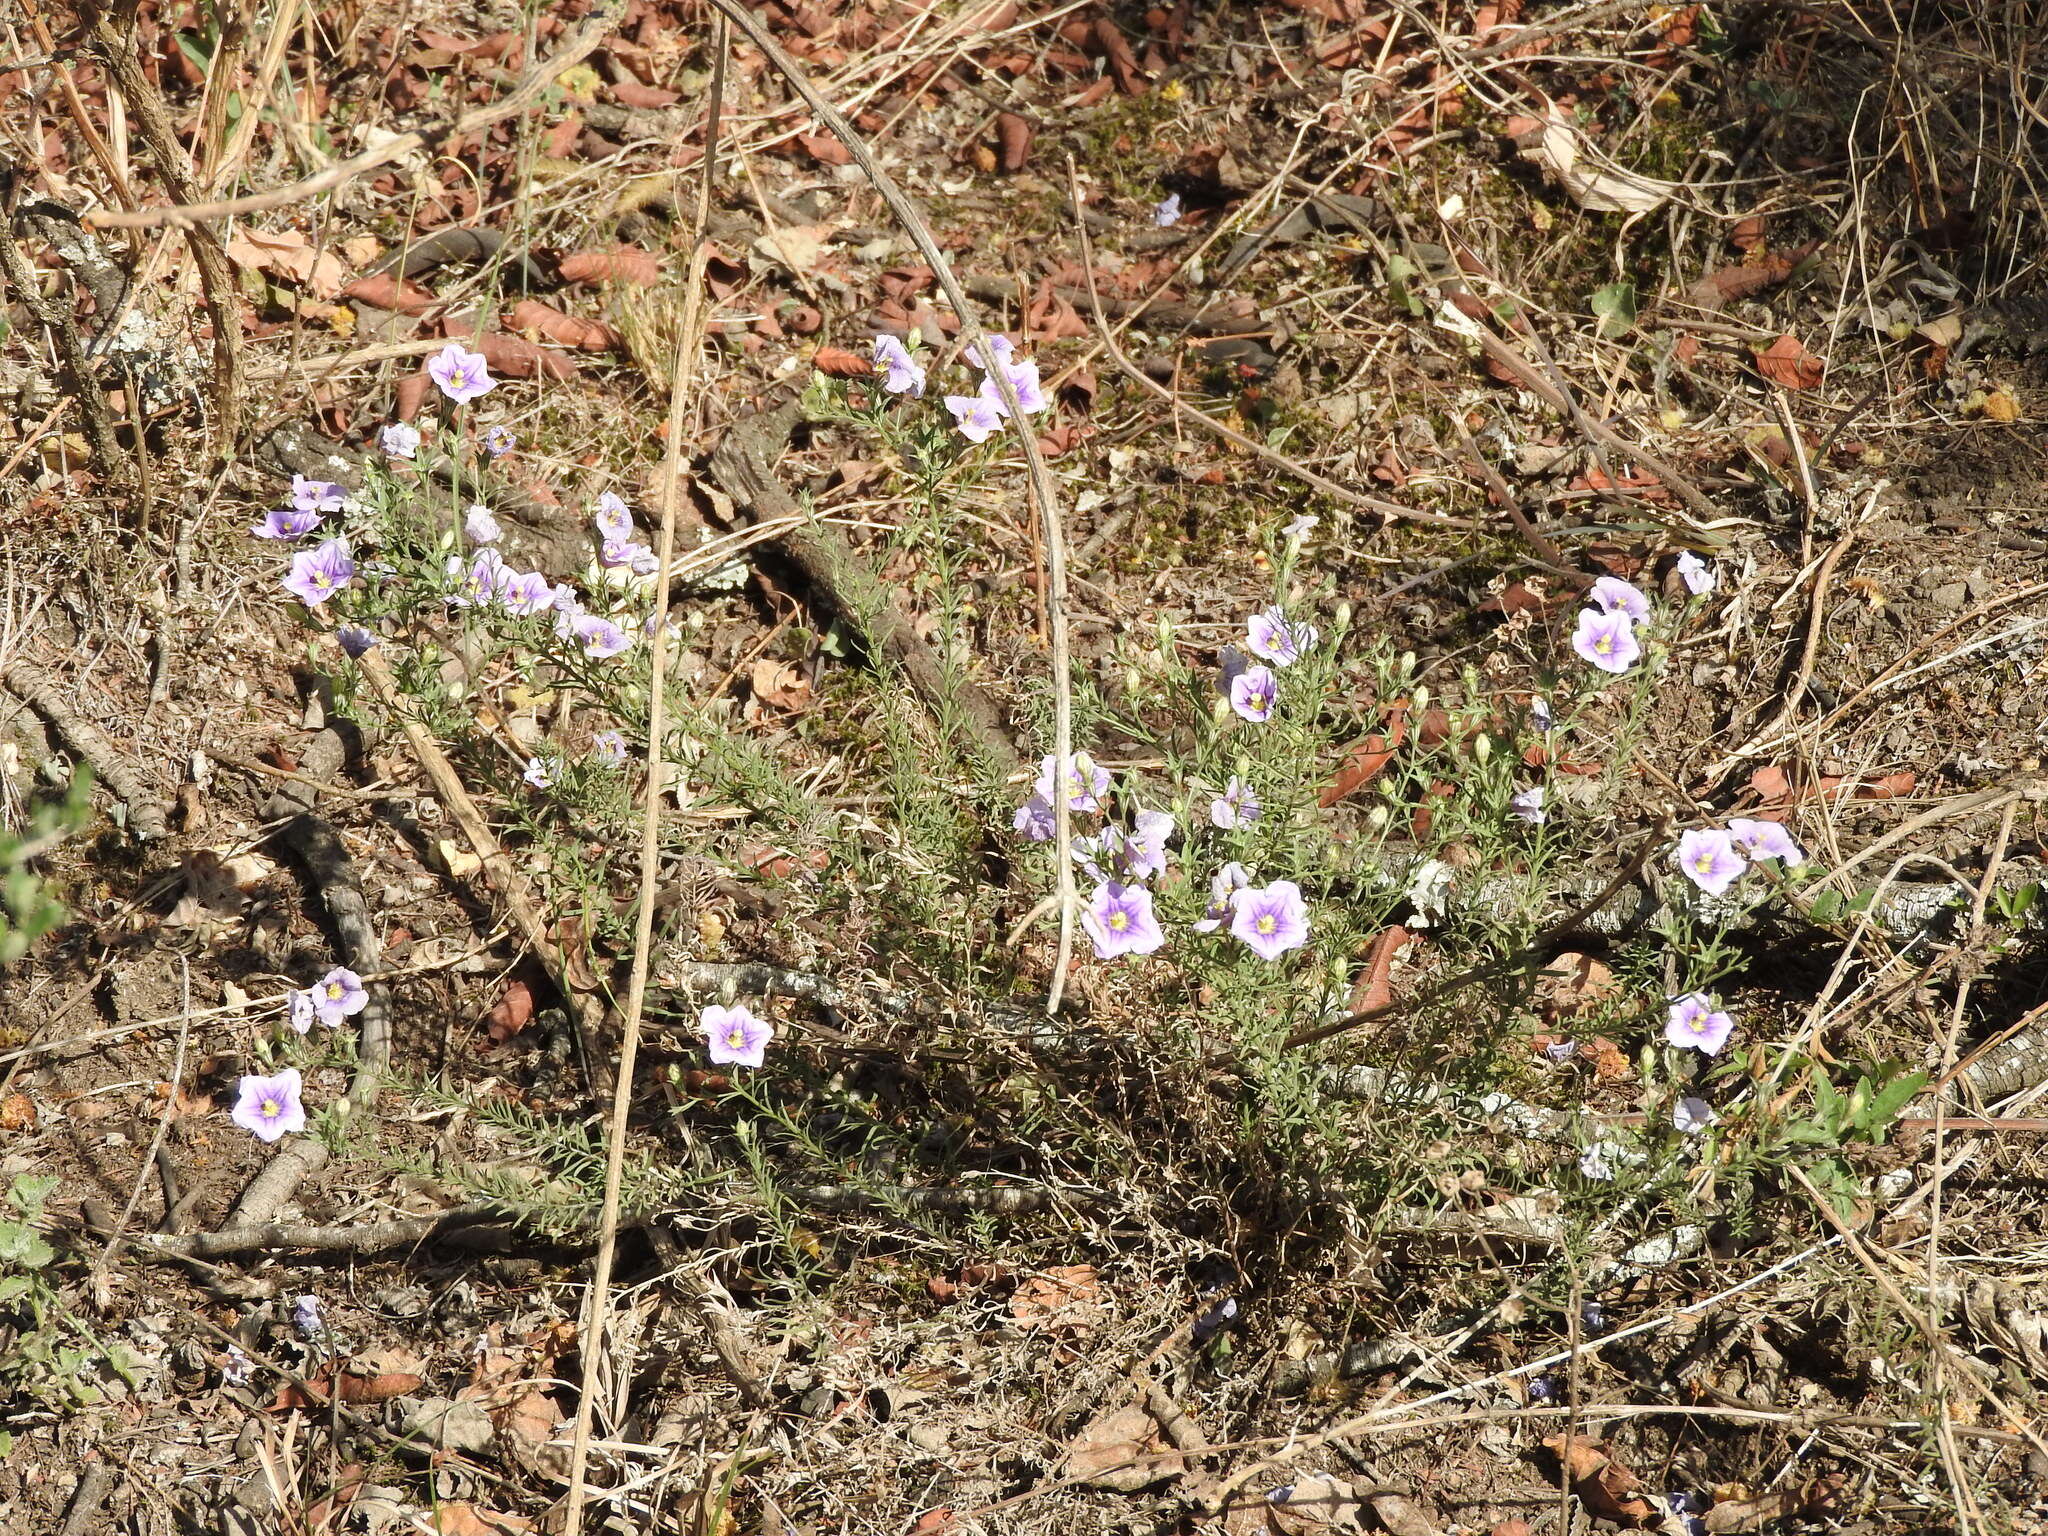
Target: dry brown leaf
{"type": "Point", "coordinates": [386, 290]}
{"type": "Point", "coordinates": [1787, 363]}
{"type": "Point", "coordinates": [1068, 1293]}
{"type": "Point", "coordinates": [456, 1518]}
{"type": "Point", "coordinates": [839, 363]}
{"type": "Point", "coordinates": [780, 684]}
{"type": "Point", "coordinates": [825, 148]}
{"type": "Point", "coordinates": [1375, 986]}
{"type": "Point", "coordinates": [289, 254]}
{"type": "Point", "coordinates": [1315, 1505]}
{"type": "Point", "coordinates": [623, 264]}
{"type": "Point", "coordinates": [795, 246]}
{"type": "Point", "coordinates": [1013, 141]}
{"type": "Point", "coordinates": [512, 1012]}
{"type": "Point", "coordinates": [1608, 1490]}
{"type": "Point", "coordinates": [1100, 1452]}
{"type": "Point", "coordinates": [568, 330]}
{"type": "Point", "coordinates": [1573, 983]}
{"type": "Point", "coordinates": [1365, 760]}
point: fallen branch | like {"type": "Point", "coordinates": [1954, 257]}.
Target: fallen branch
{"type": "Point", "coordinates": [39, 688]}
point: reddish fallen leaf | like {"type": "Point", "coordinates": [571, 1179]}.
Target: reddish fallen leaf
{"type": "Point", "coordinates": [1608, 1490]}
{"type": "Point", "coordinates": [933, 1521]}
{"type": "Point", "coordinates": [386, 290]}
{"type": "Point", "coordinates": [349, 1387]}
{"type": "Point", "coordinates": [411, 394]}
{"type": "Point", "coordinates": [1728, 285]}
{"type": "Point", "coordinates": [839, 363]}
{"type": "Point", "coordinates": [1013, 141]}
{"type": "Point", "coordinates": [514, 357]}
{"type": "Point", "coordinates": [1574, 983]}
{"type": "Point", "coordinates": [1424, 815]}
{"type": "Point", "coordinates": [1517, 1527]}
{"type": "Point", "coordinates": [780, 863]}
{"type": "Point", "coordinates": [1367, 759]}
{"type": "Point", "coordinates": [623, 264]}
{"type": "Point", "coordinates": [512, 1012]}
{"type": "Point", "coordinates": [1770, 785]}
{"type": "Point", "coordinates": [1064, 438]}
{"type": "Point", "coordinates": [456, 1518]}
{"type": "Point", "coordinates": [567, 330]}
{"type": "Point", "coordinates": [1787, 363]}
{"type": "Point", "coordinates": [825, 148]}
{"type": "Point", "coordinates": [1746, 234]}
{"type": "Point", "coordinates": [631, 93]}
{"type": "Point", "coordinates": [1893, 786]}
{"type": "Point", "coordinates": [1375, 986]}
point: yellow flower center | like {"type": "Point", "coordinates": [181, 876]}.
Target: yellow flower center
{"type": "Point", "coordinates": [1119, 921]}
{"type": "Point", "coordinates": [1699, 1023]}
{"type": "Point", "coordinates": [270, 1109]}
{"type": "Point", "coordinates": [736, 1038]}
{"type": "Point", "coordinates": [1265, 923]}
{"type": "Point", "coordinates": [334, 991]}
{"type": "Point", "coordinates": [1604, 645]}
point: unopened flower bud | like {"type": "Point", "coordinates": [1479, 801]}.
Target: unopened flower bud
{"type": "Point", "coordinates": [1377, 817]}
{"type": "Point", "coordinates": [1482, 748]}
{"type": "Point", "coordinates": [1340, 618]}
{"type": "Point", "coordinates": [1421, 699]}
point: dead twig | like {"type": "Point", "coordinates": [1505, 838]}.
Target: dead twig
{"type": "Point", "coordinates": [145, 813]}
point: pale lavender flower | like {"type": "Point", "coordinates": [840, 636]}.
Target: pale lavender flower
{"type": "Point", "coordinates": [1225, 886]}
{"type": "Point", "coordinates": [480, 526]}
{"type": "Point", "coordinates": [1023, 379]}
{"type": "Point", "coordinates": [287, 523]}
{"type": "Point", "coordinates": [481, 581]}
{"type": "Point", "coordinates": [1166, 213]}
{"type": "Point", "coordinates": [977, 416]}
{"type": "Point", "coordinates": [995, 352]}
{"type": "Point", "coordinates": [302, 1007]}
{"type": "Point", "coordinates": [1699, 577]}
{"type": "Point", "coordinates": [1119, 920]}
{"type": "Point", "coordinates": [1297, 532]}
{"type": "Point", "coordinates": [306, 1317]}
{"type": "Point", "coordinates": [1616, 596]}
{"type": "Point", "coordinates": [540, 773]}
{"type": "Point", "coordinates": [736, 1038]}
{"type": "Point", "coordinates": [1271, 919]}
{"type": "Point", "coordinates": [566, 602]}
{"type": "Point", "coordinates": [1561, 1051]}
{"type": "Point", "coordinates": [616, 553]}
{"type": "Point", "coordinates": [1528, 806]}
{"type": "Point", "coordinates": [355, 641]}
{"type": "Point", "coordinates": [317, 574]}
{"type": "Point", "coordinates": [400, 440]}
{"type": "Point", "coordinates": [1694, 1021]}
{"type": "Point", "coordinates": [526, 593]}
{"type": "Point", "coordinates": [1693, 1115]}
{"type": "Point", "coordinates": [1539, 713]}
{"type": "Point", "coordinates": [270, 1107]}
{"type": "Point", "coordinates": [1091, 853]}
{"type": "Point", "coordinates": [1144, 849]}
{"type": "Point", "coordinates": [1086, 782]}
{"type": "Point", "coordinates": [1252, 694]}
{"type": "Point", "coordinates": [1597, 1161]}
{"type": "Point", "coordinates": [317, 495]}
{"type": "Point", "coordinates": [601, 638]}
{"type": "Point", "coordinates": [1607, 640]}
{"type": "Point", "coordinates": [236, 1370]}
{"type": "Point", "coordinates": [462, 374]}
{"type": "Point", "coordinates": [499, 441]}
{"type": "Point", "coordinates": [1236, 807]}
{"type": "Point", "coordinates": [337, 995]}
{"type": "Point", "coordinates": [1270, 637]}
{"type": "Point", "coordinates": [1759, 840]}
{"type": "Point", "coordinates": [1034, 819]}
{"type": "Point", "coordinates": [614, 519]}
{"type": "Point", "coordinates": [1709, 860]}
{"type": "Point", "coordinates": [901, 373]}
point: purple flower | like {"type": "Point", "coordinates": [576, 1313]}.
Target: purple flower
{"type": "Point", "coordinates": [617, 554]}
{"type": "Point", "coordinates": [1236, 807]}
{"type": "Point", "coordinates": [236, 1370]}
{"type": "Point", "coordinates": [482, 581]}
{"type": "Point", "coordinates": [1085, 782]}
{"type": "Point", "coordinates": [735, 1037]}
{"type": "Point", "coordinates": [1034, 819]}
{"type": "Point", "coordinates": [1709, 860]}
{"type": "Point", "coordinates": [499, 441]}
{"type": "Point", "coordinates": [317, 495]}
{"type": "Point", "coordinates": [1561, 1051]}
{"type": "Point", "coordinates": [1270, 637]}
{"type": "Point", "coordinates": [1699, 577]}
{"type": "Point", "coordinates": [1539, 713]}
{"type": "Point", "coordinates": [1616, 596]}
{"type": "Point", "coordinates": [1144, 849]}
{"type": "Point", "coordinates": [1297, 532]}
{"type": "Point", "coordinates": [337, 995]}
{"type": "Point", "coordinates": [1528, 806]}
{"type": "Point", "coordinates": [609, 748]}
{"type": "Point", "coordinates": [566, 602]}
{"type": "Point", "coordinates": [1119, 919]}
{"type": "Point", "coordinates": [1694, 1022]}
{"type": "Point", "coordinates": [1271, 919]}
{"type": "Point", "coordinates": [1693, 1115]}
{"type": "Point", "coordinates": [1023, 379]}
{"type": "Point", "coordinates": [1225, 886]}
{"type": "Point", "coordinates": [614, 520]}
{"type": "Point", "coordinates": [995, 352]}
{"type": "Point", "coordinates": [306, 1317]}
{"type": "Point", "coordinates": [1167, 213]}
{"type": "Point", "coordinates": [1252, 694]}
{"type": "Point", "coordinates": [977, 416]}
{"type": "Point", "coordinates": [480, 526]}
{"type": "Point", "coordinates": [270, 1106]}
{"type": "Point", "coordinates": [1607, 640]}
{"type": "Point", "coordinates": [303, 1006]}
{"type": "Point", "coordinates": [539, 772]}
{"type": "Point", "coordinates": [601, 638]}
{"type": "Point", "coordinates": [400, 440]}
{"type": "Point", "coordinates": [902, 375]}
{"type": "Point", "coordinates": [317, 574]}
{"type": "Point", "coordinates": [287, 523]}
{"type": "Point", "coordinates": [462, 374]}
{"type": "Point", "coordinates": [1764, 840]}
{"type": "Point", "coordinates": [526, 593]}
{"type": "Point", "coordinates": [355, 641]}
